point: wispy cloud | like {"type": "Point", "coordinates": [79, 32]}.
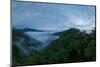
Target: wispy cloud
{"type": "Point", "coordinates": [52, 16]}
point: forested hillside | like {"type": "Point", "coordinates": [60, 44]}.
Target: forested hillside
{"type": "Point", "coordinates": [71, 46]}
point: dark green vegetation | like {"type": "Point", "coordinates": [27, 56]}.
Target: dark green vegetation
{"type": "Point", "coordinates": [72, 46]}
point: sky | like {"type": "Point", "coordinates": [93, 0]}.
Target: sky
{"type": "Point", "coordinates": [46, 16]}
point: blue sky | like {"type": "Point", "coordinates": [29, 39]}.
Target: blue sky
{"type": "Point", "coordinates": [52, 16]}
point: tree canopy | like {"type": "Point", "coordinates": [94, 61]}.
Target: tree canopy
{"type": "Point", "coordinates": [72, 46]}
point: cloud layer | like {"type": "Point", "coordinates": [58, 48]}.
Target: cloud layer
{"type": "Point", "coordinates": [52, 16]}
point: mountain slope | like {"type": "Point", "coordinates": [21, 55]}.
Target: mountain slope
{"type": "Point", "coordinates": [72, 46]}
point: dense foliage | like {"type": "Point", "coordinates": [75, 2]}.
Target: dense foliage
{"type": "Point", "coordinates": [72, 46]}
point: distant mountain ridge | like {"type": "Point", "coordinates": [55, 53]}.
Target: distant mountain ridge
{"type": "Point", "coordinates": [24, 43]}
{"type": "Point", "coordinates": [27, 30]}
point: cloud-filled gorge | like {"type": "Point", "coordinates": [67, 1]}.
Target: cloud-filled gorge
{"type": "Point", "coordinates": [44, 32]}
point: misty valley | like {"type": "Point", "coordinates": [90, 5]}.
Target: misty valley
{"type": "Point", "coordinates": [32, 46]}
{"type": "Point", "coordinates": [52, 33]}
